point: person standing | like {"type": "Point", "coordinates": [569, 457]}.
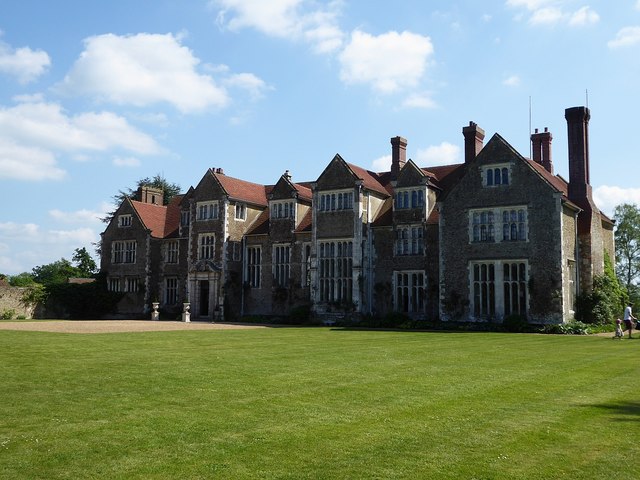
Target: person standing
{"type": "Point", "coordinates": [629, 318]}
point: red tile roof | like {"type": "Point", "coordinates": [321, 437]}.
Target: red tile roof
{"type": "Point", "coordinates": [372, 180]}
{"type": "Point", "coordinates": [242, 190]}
{"type": "Point", "coordinates": [261, 225]}
{"type": "Point", "coordinates": [305, 223]}
{"type": "Point", "coordinates": [556, 182]}
{"type": "Point", "coordinates": [304, 192]}
{"type": "Point", "coordinates": [160, 220]}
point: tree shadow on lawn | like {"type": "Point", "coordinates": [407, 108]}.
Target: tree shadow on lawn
{"type": "Point", "coordinates": [622, 411]}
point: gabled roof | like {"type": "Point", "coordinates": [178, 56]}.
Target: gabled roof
{"type": "Point", "coordinates": [304, 192]}
{"type": "Point", "coordinates": [242, 190]}
{"type": "Point", "coordinates": [371, 180]}
{"type": "Point", "coordinates": [161, 221]}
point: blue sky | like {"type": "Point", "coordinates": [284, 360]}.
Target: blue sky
{"type": "Point", "coordinates": [96, 95]}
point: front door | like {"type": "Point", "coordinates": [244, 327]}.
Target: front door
{"type": "Point", "coordinates": [204, 298]}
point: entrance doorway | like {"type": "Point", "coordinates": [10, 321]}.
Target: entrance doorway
{"type": "Point", "coordinates": [204, 298]}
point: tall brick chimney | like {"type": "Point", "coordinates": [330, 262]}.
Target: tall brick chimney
{"type": "Point", "coordinates": [591, 251]}
{"type": "Point", "coordinates": [473, 141]}
{"type": "Point", "coordinates": [578, 140]}
{"type": "Point", "coordinates": [541, 146]}
{"type": "Point", "coordinates": [398, 155]}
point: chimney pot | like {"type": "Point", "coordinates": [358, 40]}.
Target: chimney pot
{"type": "Point", "coordinates": [398, 155]}
{"type": "Point", "coordinates": [578, 143]}
{"type": "Point", "coordinates": [473, 141]}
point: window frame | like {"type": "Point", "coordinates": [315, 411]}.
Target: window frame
{"type": "Point", "coordinates": [209, 210]}
{"type": "Point", "coordinates": [343, 200]}
{"type": "Point", "coordinates": [488, 173]}
{"type": "Point", "coordinates": [409, 297]}
{"type": "Point", "coordinates": [206, 250]}
{"type": "Point", "coordinates": [125, 220]}
{"type": "Point", "coordinates": [253, 272]}
{"type": "Point", "coordinates": [407, 198]}
{"type": "Point", "coordinates": [494, 226]}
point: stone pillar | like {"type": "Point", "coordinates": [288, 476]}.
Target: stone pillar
{"type": "Point", "coordinates": [155, 314]}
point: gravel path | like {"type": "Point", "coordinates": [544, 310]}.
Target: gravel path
{"type": "Point", "coordinates": [117, 326]}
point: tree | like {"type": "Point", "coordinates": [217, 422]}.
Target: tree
{"type": "Point", "coordinates": [84, 263]}
{"type": "Point", "coordinates": [627, 237]}
{"type": "Point", "coordinates": [605, 301]}
{"type": "Point", "coordinates": [23, 279]}
{"type": "Point", "coordinates": [170, 190]}
{"type": "Point", "coordinates": [54, 273]}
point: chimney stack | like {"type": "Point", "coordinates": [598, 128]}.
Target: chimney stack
{"type": "Point", "coordinates": [578, 140]}
{"type": "Point", "coordinates": [541, 146]}
{"type": "Point", "coordinates": [398, 155]}
{"type": "Point", "coordinates": [473, 141]}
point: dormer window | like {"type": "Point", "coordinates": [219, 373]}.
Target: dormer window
{"type": "Point", "coordinates": [408, 198]}
{"type": "Point", "coordinates": [241, 211]}
{"type": "Point", "coordinates": [283, 209]}
{"type": "Point", "coordinates": [496, 175]}
{"type": "Point", "coordinates": [124, 221]}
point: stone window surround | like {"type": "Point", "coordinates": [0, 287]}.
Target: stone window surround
{"type": "Point", "coordinates": [495, 228]}
{"type": "Point", "coordinates": [283, 209]}
{"type": "Point", "coordinates": [491, 286]}
{"type": "Point", "coordinates": [488, 181]}
{"type": "Point", "coordinates": [409, 290]}
{"type": "Point", "coordinates": [124, 221]}
{"type": "Point", "coordinates": [336, 200]}
{"type": "Point", "coordinates": [409, 197]}
{"type": "Point", "coordinates": [209, 210]}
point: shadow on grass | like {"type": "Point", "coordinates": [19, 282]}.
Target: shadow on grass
{"type": "Point", "coordinates": [623, 411]}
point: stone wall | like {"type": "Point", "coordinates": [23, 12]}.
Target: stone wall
{"type": "Point", "coordinates": [10, 300]}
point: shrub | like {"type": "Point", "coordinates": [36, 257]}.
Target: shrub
{"type": "Point", "coordinates": [300, 315]}
{"type": "Point", "coordinates": [8, 314]}
{"type": "Point", "coordinates": [571, 328]}
{"type": "Point", "coordinates": [606, 299]}
{"type": "Point", "coordinates": [515, 324]}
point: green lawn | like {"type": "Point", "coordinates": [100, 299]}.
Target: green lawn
{"type": "Point", "coordinates": [318, 403]}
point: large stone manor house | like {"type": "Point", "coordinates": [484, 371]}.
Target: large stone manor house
{"type": "Point", "coordinates": [497, 235]}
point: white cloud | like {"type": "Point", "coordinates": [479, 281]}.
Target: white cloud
{"type": "Point", "coordinates": [546, 16]}
{"type": "Point", "coordinates": [47, 125]}
{"type": "Point", "coordinates": [248, 82]}
{"type": "Point", "coordinates": [637, 4]}
{"type": "Point", "coordinates": [551, 12]}
{"type": "Point", "coordinates": [141, 70]}
{"type": "Point", "coordinates": [626, 37]}
{"type": "Point", "coordinates": [512, 81]}
{"type": "Point", "coordinates": [584, 16]}
{"type": "Point", "coordinates": [608, 197]}
{"type": "Point", "coordinates": [79, 216]}
{"type": "Point", "coordinates": [31, 134]}
{"type": "Point", "coordinates": [528, 4]}
{"type": "Point", "coordinates": [382, 164]}
{"type": "Point", "coordinates": [290, 19]}
{"type": "Point", "coordinates": [22, 162]}
{"type": "Point", "coordinates": [23, 63]}
{"type": "Point", "coordinates": [418, 100]}
{"type": "Point", "coordinates": [443, 154]}
{"type": "Point", "coordinates": [388, 62]}
{"type": "Point", "coordinates": [126, 162]}
{"type": "Point", "coordinates": [28, 98]}
{"type": "Point", "coordinates": [27, 245]}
